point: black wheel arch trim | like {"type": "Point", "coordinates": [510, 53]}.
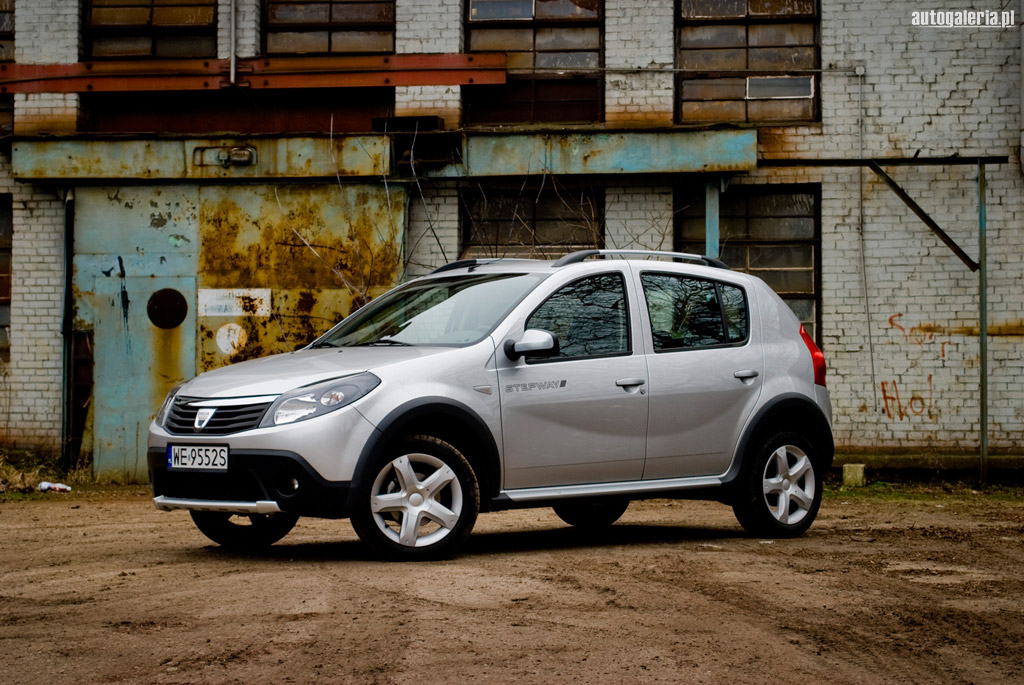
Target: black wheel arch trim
{"type": "Point", "coordinates": [820, 431]}
{"type": "Point", "coordinates": [399, 419]}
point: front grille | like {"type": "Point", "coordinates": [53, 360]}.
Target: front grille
{"type": "Point", "coordinates": [226, 420]}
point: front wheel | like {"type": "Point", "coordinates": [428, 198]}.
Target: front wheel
{"type": "Point", "coordinates": [780, 490]}
{"type": "Point", "coordinates": [240, 531]}
{"type": "Point", "coordinates": [421, 503]}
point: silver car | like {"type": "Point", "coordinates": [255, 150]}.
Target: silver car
{"type": "Point", "coordinates": [578, 384]}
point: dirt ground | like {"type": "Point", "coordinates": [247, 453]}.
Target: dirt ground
{"type": "Point", "coordinates": [97, 586]}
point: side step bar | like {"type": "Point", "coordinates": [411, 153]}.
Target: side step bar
{"type": "Point", "coordinates": [635, 488]}
{"type": "Point", "coordinates": [260, 507]}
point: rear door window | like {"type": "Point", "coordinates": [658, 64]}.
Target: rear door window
{"type": "Point", "coordinates": [687, 312]}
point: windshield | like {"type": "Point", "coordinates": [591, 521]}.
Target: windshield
{"type": "Point", "coordinates": [445, 311]}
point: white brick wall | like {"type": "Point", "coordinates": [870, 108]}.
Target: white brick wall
{"type": "Point", "coordinates": [46, 32]}
{"type": "Point", "coordinates": [433, 235]}
{"type": "Point", "coordinates": [434, 27]}
{"type": "Point", "coordinates": [638, 218]}
{"type": "Point", "coordinates": [639, 34]}
{"type": "Point", "coordinates": [247, 28]}
{"type": "Point", "coordinates": [31, 392]}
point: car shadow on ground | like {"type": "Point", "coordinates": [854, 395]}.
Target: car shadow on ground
{"type": "Point", "coordinates": [485, 543]}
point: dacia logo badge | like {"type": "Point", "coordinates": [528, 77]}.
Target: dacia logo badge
{"type": "Point", "coordinates": [203, 417]}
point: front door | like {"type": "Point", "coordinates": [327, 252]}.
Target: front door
{"type": "Point", "coordinates": [579, 416]}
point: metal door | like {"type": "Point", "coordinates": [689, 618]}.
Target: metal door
{"type": "Point", "coordinates": [144, 345]}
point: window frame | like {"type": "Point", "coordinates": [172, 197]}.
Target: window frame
{"type": "Point", "coordinates": [721, 311]}
{"type": "Point", "coordinates": [814, 73]}
{"type": "Point", "coordinates": [327, 26]}
{"type": "Point", "coordinates": [628, 321]}
{"type": "Point", "coordinates": [533, 76]}
{"type": "Point", "coordinates": [150, 31]}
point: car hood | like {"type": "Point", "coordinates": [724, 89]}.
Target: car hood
{"type": "Point", "coordinates": [283, 372]}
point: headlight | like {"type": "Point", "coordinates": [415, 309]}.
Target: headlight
{"type": "Point", "coordinates": [316, 400]}
{"type": "Point", "coordinates": [161, 415]}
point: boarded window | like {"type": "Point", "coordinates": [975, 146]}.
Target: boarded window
{"type": "Point", "coordinates": [772, 232]}
{"type": "Point", "coordinates": [555, 53]}
{"type": "Point", "coordinates": [747, 60]}
{"type": "Point", "coordinates": [139, 29]}
{"type": "Point", "coordinates": [6, 240]}
{"type": "Point", "coordinates": [529, 220]}
{"type": "Point", "coordinates": [347, 27]}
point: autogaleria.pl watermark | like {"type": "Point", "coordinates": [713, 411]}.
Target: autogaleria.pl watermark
{"type": "Point", "coordinates": [951, 19]}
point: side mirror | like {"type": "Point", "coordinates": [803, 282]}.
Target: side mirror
{"type": "Point", "coordinates": [535, 343]}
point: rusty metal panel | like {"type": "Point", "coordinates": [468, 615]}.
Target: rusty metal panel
{"type": "Point", "coordinates": [279, 265]}
{"type": "Point", "coordinates": [90, 160]}
{"type": "Point", "coordinates": [607, 153]}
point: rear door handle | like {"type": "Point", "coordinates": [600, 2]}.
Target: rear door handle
{"type": "Point", "coordinates": [746, 374]}
{"type": "Point", "coordinates": [629, 382]}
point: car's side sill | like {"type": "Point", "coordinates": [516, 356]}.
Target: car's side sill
{"type": "Point", "coordinates": [633, 488]}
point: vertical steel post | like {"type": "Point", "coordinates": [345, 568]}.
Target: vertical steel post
{"type": "Point", "coordinates": [712, 189]}
{"type": "Point", "coordinates": [983, 319]}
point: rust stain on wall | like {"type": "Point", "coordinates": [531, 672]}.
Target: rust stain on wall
{"type": "Point", "coordinates": [322, 250]}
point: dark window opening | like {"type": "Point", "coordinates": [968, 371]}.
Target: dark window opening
{"type": "Point", "coordinates": [6, 269]}
{"type": "Point", "coordinates": [589, 317]}
{"type": "Point", "coordinates": [772, 232]}
{"type": "Point", "coordinates": [350, 27]}
{"type": "Point", "coordinates": [6, 30]}
{"type": "Point", "coordinates": [555, 54]}
{"type": "Point", "coordinates": [341, 110]}
{"type": "Point", "coordinates": [747, 61]}
{"type": "Point", "coordinates": [530, 219]}
{"type": "Point", "coordinates": [140, 29]}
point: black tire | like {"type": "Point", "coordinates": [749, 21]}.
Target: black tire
{"type": "Point", "coordinates": [418, 501]}
{"type": "Point", "coordinates": [245, 532]}
{"type": "Point", "coordinates": [592, 514]}
{"type": "Point", "coordinates": [779, 489]}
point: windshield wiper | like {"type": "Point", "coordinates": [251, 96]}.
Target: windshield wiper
{"type": "Point", "coordinates": [385, 342]}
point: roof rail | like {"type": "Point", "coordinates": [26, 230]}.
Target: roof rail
{"type": "Point", "coordinates": [580, 255]}
{"type": "Point", "coordinates": [471, 263]}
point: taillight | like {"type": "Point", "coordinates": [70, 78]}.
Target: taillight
{"type": "Point", "coordinates": [816, 356]}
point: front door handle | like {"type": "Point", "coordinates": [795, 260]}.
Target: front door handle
{"type": "Point", "coordinates": [746, 374]}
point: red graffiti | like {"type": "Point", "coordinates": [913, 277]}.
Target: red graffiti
{"type": "Point", "coordinates": [917, 405]}
{"type": "Point", "coordinates": [923, 334]}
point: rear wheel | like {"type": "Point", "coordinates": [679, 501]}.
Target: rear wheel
{"type": "Point", "coordinates": [780, 489]}
{"type": "Point", "coordinates": [241, 531]}
{"type": "Point", "coordinates": [592, 514]}
{"type": "Point", "coordinates": [421, 503]}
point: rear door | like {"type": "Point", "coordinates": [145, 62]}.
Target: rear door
{"type": "Point", "coordinates": [706, 369]}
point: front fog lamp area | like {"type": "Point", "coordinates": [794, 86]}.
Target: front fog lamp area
{"type": "Point", "coordinates": [315, 400]}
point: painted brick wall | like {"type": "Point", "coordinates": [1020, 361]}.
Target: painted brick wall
{"type": "Point", "coordinates": [46, 32]}
{"type": "Point", "coordinates": [30, 399]}
{"type": "Point", "coordinates": [639, 34]}
{"type": "Point", "coordinates": [434, 27]}
{"type": "Point", "coordinates": [433, 234]}
{"type": "Point", "coordinates": [638, 218]}
{"type": "Point", "coordinates": [247, 28]}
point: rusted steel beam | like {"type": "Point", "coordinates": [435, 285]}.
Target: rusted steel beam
{"type": "Point", "coordinates": [923, 215]}
{"type": "Point", "coordinates": [262, 72]}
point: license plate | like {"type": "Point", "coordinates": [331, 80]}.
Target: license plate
{"type": "Point", "coordinates": [198, 457]}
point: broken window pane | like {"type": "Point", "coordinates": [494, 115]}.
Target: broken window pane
{"type": "Point", "coordinates": [568, 9]}
{"type": "Point", "coordinates": [712, 36]}
{"type": "Point", "coordinates": [712, 9]}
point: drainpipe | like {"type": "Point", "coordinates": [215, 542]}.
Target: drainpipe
{"type": "Point", "coordinates": [67, 333]}
{"type": "Point", "coordinates": [234, 41]}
